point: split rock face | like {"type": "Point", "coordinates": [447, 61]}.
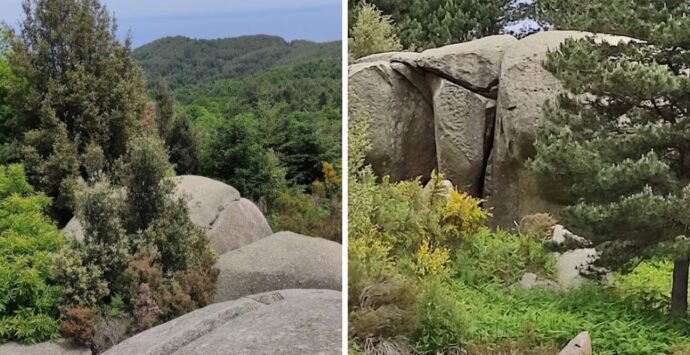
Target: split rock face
{"type": "Point", "coordinates": [485, 99]}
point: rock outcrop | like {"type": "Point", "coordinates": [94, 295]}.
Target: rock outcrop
{"type": "Point", "coordinates": [486, 99]}
{"type": "Point", "coordinates": [54, 347]}
{"type": "Point", "coordinates": [285, 322]}
{"type": "Point", "coordinates": [281, 261]}
{"type": "Point", "coordinates": [402, 121]}
{"type": "Point", "coordinates": [229, 221]}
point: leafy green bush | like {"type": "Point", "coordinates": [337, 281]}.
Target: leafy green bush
{"type": "Point", "coordinates": [445, 320]}
{"type": "Point", "coordinates": [648, 285]}
{"type": "Point", "coordinates": [501, 256]}
{"type": "Point", "coordinates": [28, 294]}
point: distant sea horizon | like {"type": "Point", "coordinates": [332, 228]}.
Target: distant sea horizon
{"type": "Point", "coordinates": [319, 23]}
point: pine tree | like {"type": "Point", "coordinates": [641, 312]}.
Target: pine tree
{"type": "Point", "coordinates": [424, 24]}
{"type": "Point", "coordinates": [183, 146]}
{"type": "Point", "coordinates": [619, 144]}
{"type": "Point", "coordinates": [80, 77]}
{"type": "Point", "coordinates": [372, 33]}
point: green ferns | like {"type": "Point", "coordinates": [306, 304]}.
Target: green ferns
{"type": "Point", "coordinates": [28, 298]}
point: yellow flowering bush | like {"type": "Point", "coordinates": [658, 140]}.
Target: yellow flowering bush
{"type": "Point", "coordinates": [462, 214]}
{"type": "Point", "coordinates": [431, 260]}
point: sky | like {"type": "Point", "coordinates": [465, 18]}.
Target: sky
{"type": "Point", "coordinates": [315, 20]}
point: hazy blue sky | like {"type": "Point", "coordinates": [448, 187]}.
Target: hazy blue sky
{"type": "Point", "coordinates": [316, 20]}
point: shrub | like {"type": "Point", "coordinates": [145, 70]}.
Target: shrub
{"type": "Point", "coordinates": [537, 225]}
{"type": "Point", "coordinates": [28, 294]}
{"type": "Point", "coordinates": [82, 283]}
{"type": "Point", "coordinates": [445, 321]}
{"type": "Point", "coordinates": [179, 243]}
{"type": "Point", "coordinates": [647, 286]}
{"type": "Point", "coordinates": [98, 208]}
{"type": "Point", "coordinates": [109, 331]}
{"type": "Point", "coordinates": [142, 172]}
{"type": "Point", "coordinates": [386, 309]}
{"type": "Point", "coordinates": [78, 324]}
{"type": "Point", "coordinates": [501, 256]}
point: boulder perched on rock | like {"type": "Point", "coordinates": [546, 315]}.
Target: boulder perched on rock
{"type": "Point", "coordinates": [54, 347]}
{"type": "Point", "coordinates": [475, 65]}
{"type": "Point", "coordinates": [229, 221]}
{"type": "Point", "coordinates": [402, 121]}
{"type": "Point", "coordinates": [285, 322]}
{"type": "Point", "coordinates": [580, 345]}
{"type": "Point", "coordinates": [280, 261]}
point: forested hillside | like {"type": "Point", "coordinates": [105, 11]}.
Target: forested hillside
{"type": "Point", "coordinates": [259, 113]}
{"type": "Point", "coordinates": [184, 61]}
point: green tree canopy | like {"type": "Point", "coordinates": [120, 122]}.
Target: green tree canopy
{"type": "Point", "coordinates": [79, 77]}
{"type": "Point", "coordinates": [372, 33]}
{"type": "Point", "coordinates": [424, 24]}
{"type": "Point", "coordinates": [619, 144]}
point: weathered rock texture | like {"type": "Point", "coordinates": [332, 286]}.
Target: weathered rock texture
{"type": "Point", "coordinates": [230, 222]}
{"type": "Point", "coordinates": [281, 261]}
{"type": "Point", "coordinates": [55, 347]}
{"type": "Point", "coordinates": [402, 121]}
{"type": "Point", "coordinates": [285, 322]}
{"type": "Point", "coordinates": [486, 99]}
{"type": "Point", "coordinates": [580, 345]}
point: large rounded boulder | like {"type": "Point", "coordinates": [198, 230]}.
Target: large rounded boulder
{"type": "Point", "coordinates": [280, 261]}
{"type": "Point", "coordinates": [229, 221]}
{"type": "Point", "coordinates": [279, 322]}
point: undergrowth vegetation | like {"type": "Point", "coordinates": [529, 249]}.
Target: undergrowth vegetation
{"type": "Point", "coordinates": [426, 275]}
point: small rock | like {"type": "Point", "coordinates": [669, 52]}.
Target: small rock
{"type": "Point", "coordinates": [580, 345]}
{"type": "Point", "coordinates": [563, 240]}
{"type": "Point", "coordinates": [530, 280]}
{"type": "Point", "coordinates": [570, 263]}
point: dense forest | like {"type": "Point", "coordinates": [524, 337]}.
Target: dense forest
{"type": "Point", "coordinates": [263, 115]}
{"type": "Point", "coordinates": [426, 272]}
{"type": "Point", "coordinates": [185, 61]}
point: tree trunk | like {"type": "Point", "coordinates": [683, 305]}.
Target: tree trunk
{"type": "Point", "coordinates": [679, 294]}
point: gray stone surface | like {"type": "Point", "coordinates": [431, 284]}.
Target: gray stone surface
{"type": "Point", "coordinates": [580, 345]}
{"type": "Point", "coordinates": [530, 280]}
{"type": "Point", "coordinates": [475, 65]}
{"type": "Point", "coordinates": [387, 57]}
{"type": "Point", "coordinates": [570, 263]}
{"type": "Point", "coordinates": [512, 191]}
{"type": "Point", "coordinates": [239, 224]}
{"type": "Point", "coordinates": [462, 120]}
{"type": "Point", "coordinates": [402, 121]}
{"type": "Point", "coordinates": [280, 261]}
{"type": "Point", "coordinates": [229, 221]}
{"type": "Point", "coordinates": [55, 347]}
{"type": "Point", "coordinates": [278, 322]}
